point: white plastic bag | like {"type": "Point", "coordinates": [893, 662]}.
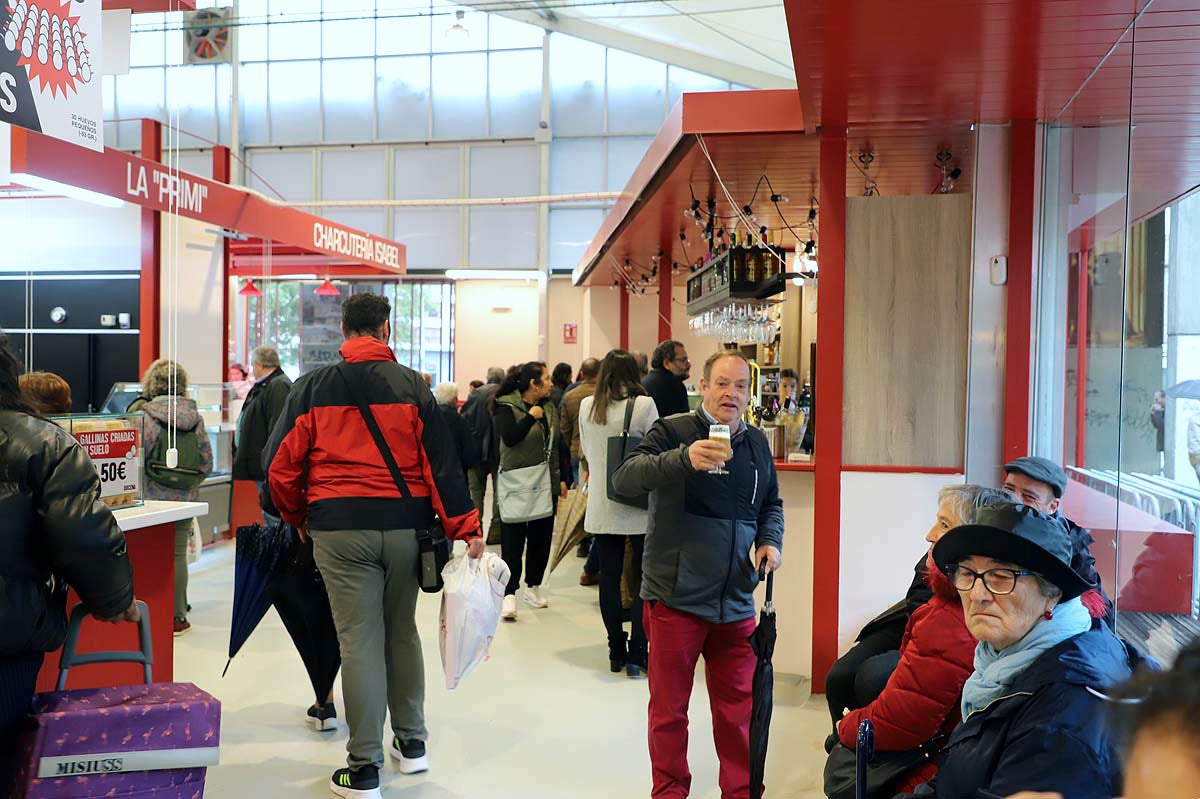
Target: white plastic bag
{"type": "Point", "coordinates": [471, 600]}
{"type": "Point", "coordinates": [195, 543]}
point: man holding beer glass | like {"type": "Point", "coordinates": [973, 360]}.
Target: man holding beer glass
{"type": "Point", "coordinates": [716, 517]}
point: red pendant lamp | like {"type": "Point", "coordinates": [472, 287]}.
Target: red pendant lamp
{"type": "Point", "coordinates": [327, 289]}
{"type": "Point", "coordinates": [248, 289]}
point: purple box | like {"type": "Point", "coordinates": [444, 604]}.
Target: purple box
{"type": "Point", "coordinates": [129, 742]}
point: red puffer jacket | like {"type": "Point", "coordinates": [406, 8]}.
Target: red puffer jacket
{"type": "Point", "coordinates": [923, 695]}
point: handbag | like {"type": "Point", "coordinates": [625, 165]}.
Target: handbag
{"type": "Point", "coordinates": [619, 448]}
{"type": "Point", "coordinates": [841, 781]}
{"type": "Point", "coordinates": [433, 550]}
{"type": "Point", "coordinates": [525, 494]}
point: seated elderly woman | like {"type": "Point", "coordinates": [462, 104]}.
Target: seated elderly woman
{"type": "Point", "coordinates": [1033, 710]}
{"type": "Point", "coordinates": [919, 706]}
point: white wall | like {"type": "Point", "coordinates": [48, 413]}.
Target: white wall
{"type": "Point", "coordinates": [61, 235]}
{"type": "Point", "coordinates": [496, 324]}
{"type": "Point", "coordinates": [885, 518]}
{"type": "Point", "coordinates": [794, 583]}
{"type": "Point", "coordinates": [566, 307]}
{"type": "Point", "coordinates": [988, 321]}
{"type": "Point", "coordinates": [196, 258]}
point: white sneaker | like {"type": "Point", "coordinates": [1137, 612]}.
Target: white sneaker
{"type": "Point", "coordinates": [508, 611]}
{"type": "Point", "coordinates": [411, 756]}
{"type": "Point", "coordinates": [535, 597]}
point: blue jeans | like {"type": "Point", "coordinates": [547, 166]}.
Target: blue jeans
{"type": "Point", "coordinates": [268, 519]}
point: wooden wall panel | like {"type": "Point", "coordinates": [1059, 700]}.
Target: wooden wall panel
{"type": "Point", "coordinates": [908, 269]}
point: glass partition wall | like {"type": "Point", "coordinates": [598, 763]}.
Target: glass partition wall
{"type": "Point", "coordinates": [1116, 343]}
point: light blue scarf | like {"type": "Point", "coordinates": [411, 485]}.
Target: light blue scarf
{"type": "Point", "coordinates": [995, 671]}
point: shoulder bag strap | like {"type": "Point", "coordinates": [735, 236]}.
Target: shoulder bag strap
{"type": "Point", "coordinates": [631, 403]}
{"type": "Point", "coordinates": [376, 433]}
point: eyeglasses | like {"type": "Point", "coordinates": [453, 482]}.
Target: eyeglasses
{"type": "Point", "coordinates": [999, 581]}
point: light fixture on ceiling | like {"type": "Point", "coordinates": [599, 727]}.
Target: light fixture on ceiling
{"type": "Point", "coordinates": [327, 289]}
{"type": "Point", "coordinates": [54, 187]}
{"type": "Point", "coordinates": [458, 31]}
{"type": "Point", "coordinates": [248, 289]}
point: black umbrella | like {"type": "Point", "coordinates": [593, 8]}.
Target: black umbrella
{"type": "Point", "coordinates": [762, 640]}
{"type": "Point", "coordinates": [299, 596]}
{"type": "Point", "coordinates": [864, 750]}
{"type": "Point", "coordinates": [259, 550]}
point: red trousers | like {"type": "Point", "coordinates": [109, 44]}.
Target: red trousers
{"type": "Point", "coordinates": [677, 640]}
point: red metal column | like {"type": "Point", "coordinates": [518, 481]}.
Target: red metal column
{"type": "Point", "coordinates": [1081, 361]}
{"type": "Point", "coordinates": [624, 342]}
{"type": "Point", "coordinates": [1018, 353]}
{"type": "Point", "coordinates": [827, 503]}
{"type": "Point", "coordinates": [221, 172]}
{"type": "Point", "coordinates": [149, 285]}
{"type": "Point", "coordinates": [665, 290]}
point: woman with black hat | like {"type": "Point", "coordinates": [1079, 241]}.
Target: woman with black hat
{"type": "Point", "coordinates": [1033, 710]}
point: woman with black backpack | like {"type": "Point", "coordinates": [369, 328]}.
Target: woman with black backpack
{"type": "Point", "coordinates": [166, 383]}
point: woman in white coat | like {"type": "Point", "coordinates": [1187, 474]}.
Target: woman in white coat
{"type": "Point", "coordinates": [612, 523]}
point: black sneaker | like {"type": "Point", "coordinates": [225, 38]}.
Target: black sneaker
{"type": "Point", "coordinates": [323, 719]}
{"type": "Point", "coordinates": [411, 755]}
{"type": "Point", "coordinates": [362, 783]}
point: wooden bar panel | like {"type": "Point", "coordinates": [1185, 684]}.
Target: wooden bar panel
{"type": "Point", "coordinates": [908, 269]}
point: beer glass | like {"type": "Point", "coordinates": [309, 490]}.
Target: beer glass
{"type": "Point", "coordinates": [720, 432]}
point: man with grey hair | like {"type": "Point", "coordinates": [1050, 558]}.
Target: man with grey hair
{"type": "Point", "coordinates": [260, 411]}
{"type": "Point", "coordinates": [446, 395]}
{"type": "Point", "coordinates": [479, 422]}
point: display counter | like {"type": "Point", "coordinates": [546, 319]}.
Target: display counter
{"type": "Point", "coordinates": [150, 536]}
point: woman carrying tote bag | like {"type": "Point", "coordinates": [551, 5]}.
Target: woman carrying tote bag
{"type": "Point", "coordinates": [530, 480]}
{"type": "Point", "coordinates": [609, 426]}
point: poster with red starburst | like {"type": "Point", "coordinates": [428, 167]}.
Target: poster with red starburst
{"type": "Point", "coordinates": [50, 70]}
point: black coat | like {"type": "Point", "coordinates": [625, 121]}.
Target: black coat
{"type": "Point", "coordinates": [261, 410]}
{"type": "Point", "coordinates": [668, 392]}
{"type": "Point", "coordinates": [476, 414]}
{"type": "Point", "coordinates": [464, 441]}
{"type": "Point", "coordinates": [1048, 733]}
{"type": "Point", "coordinates": [52, 522]}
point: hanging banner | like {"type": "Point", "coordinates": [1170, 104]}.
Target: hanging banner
{"type": "Point", "coordinates": [49, 69]}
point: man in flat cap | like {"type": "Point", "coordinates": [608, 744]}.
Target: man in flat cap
{"type": "Point", "coordinates": [1040, 483]}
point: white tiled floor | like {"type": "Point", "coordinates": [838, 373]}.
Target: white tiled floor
{"type": "Point", "coordinates": [543, 718]}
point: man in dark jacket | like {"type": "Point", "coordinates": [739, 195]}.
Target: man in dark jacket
{"type": "Point", "coordinates": [699, 573]}
{"type": "Point", "coordinates": [260, 411]}
{"type": "Point", "coordinates": [330, 479]}
{"type": "Point", "coordinates": [479, 421]}
{"type": "Point", "coordinates": [1040, 483]}
{"type": "Point", "coordinates": [52, 522]}
{"type": "Point", "coordinates": [670, 367]}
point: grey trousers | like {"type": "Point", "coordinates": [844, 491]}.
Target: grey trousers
{"type": "Point", "coordinates": [371, 578]}
{"type": "Point", "coordinates": [477, 477]}
{"type": "Point", "coordinates": [183, 531]}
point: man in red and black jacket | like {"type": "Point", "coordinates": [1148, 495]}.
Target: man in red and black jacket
{"type": "Point", "coordinates": [329, 479]}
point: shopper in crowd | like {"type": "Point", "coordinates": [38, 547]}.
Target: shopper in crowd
{"type": "Point", "coordinates": [46, 393]}
{"type": "Point", "coordinates": [330, 479]}
{"type": "Point", "coordinates": [1040, 483]}
{"type": "Point", "coordinates": [465, 444]}
{"type": "Point", "coordinates": [259, 413]}
{"type": "Point", "coordinates": [1033, 709]}
{"type": "Point", "coordinates": [919, 707]}
{"type": "Point", "coordinates": [475, 411]}
{"type": "Point", "coordinates": [474, 384]}
{"type": "Point", "coordinates": [1159, 714]}
{"type": "Point", "coordinates": [612, 524]}
{"type": "Point", "coordinates": [589, 371]}
{"type": "Point", "coordinates": [527, 424]}
{"type": "Point", "coordinates": [561, 379]}
{"type": "Point", "coordinates": [698, 575]}
{"type": "Point", "coordinates": [239, 380]}
{"type": "Point", "coordinates": [54, 533]}
{"type": "Point", "coordinates": [173, 417]}
{"type": "Point", "coordinates": [643, 362]}
{"type": "Point", "coordinates": [1158, 419]}
{"type": "Point", "coordinates": [670, 367]}
{"type": "Point", "coordinates": [1193, 443]}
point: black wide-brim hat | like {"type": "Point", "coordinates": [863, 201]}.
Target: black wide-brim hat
{"type": "Point", "coordinates": [1016, 534]}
